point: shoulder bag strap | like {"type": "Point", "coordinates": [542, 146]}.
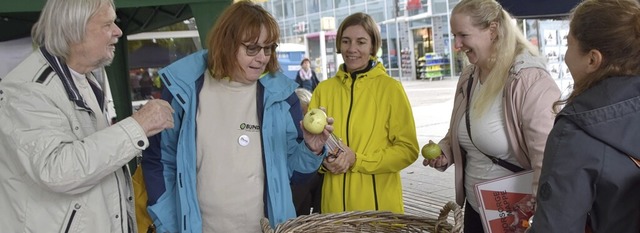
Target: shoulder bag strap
{"type": "Point", "coordinates": [509, 166]}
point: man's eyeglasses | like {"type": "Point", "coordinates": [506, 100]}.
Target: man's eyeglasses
{"type": "Point", "coordinates": [253, 49]}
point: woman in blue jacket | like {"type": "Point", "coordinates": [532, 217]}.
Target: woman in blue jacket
{"type": "Point", "coordinates": [237, 137]}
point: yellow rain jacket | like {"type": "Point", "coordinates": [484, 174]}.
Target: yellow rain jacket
{"type": "Point", "coordinates": [374, 118]}
{"type": "Point", "coordinates": [145, 225]}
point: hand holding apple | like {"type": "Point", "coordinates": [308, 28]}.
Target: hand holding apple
{"type": "Point", "coordinates": [314, 121]}
{"type": "Point", "coordinates": [431, 150]}
{"type": "Point", "coordinates": [316, 129]}
{"type": "Point", "coordinates": [433, 157]}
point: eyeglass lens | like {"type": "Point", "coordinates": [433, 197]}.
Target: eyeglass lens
{"type": "Point", "coordinates": [254, 49]}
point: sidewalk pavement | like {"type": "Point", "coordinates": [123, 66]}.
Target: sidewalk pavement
{"type": "Point", "coordinates": [425, 189]}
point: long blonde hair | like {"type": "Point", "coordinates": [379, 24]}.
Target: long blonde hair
{"type": "Point", "coordinates": [509, 42]}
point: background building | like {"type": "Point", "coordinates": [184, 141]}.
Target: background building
{"type": "Point", "coordinates": [416, 40]}
{"type": "Point", "coordinates": [410, 30]}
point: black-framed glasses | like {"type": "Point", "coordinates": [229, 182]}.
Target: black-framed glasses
{"type": "Point", "coordinates": [254, 49]}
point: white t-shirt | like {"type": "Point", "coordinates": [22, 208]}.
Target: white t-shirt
{"type": "Point", "coordinates": [230, 173]}
{"type": "Point", "coordinates": [81, 82]}
{"type": "Point", "coordinates": [490, 135]}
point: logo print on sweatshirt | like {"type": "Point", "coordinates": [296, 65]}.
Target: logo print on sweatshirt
{"type": "Point", "coordinates": [249, 127]}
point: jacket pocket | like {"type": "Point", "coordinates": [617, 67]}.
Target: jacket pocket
{"type": "Point", "coordinates": [72, 219]}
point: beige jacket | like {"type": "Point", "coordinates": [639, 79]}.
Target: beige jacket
{"type": "Point", "coordinates": [59, 171]}
{"type": "Point", "coordinates": [529, 94]}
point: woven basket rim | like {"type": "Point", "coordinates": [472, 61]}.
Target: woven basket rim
{"type": "Point", "coordinates": [370, 221]}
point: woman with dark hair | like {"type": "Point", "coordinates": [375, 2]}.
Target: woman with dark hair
{"type": "Point", "coordinates": [306, 77]}
{"type": "Point", "coordinates": [591, 169]}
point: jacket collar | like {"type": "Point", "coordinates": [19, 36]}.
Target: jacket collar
{"type": "Point", "coordinates": [181, 75]}
{"type": "Point", "coordinates": [374, 69]}
{"type": "Point", "coordinates": [62, 70]}
{"type": "Point", "coordinates": [527, 60]}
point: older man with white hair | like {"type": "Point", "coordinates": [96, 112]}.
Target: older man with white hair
{"type": "Point", "coordinates": [63, 167]}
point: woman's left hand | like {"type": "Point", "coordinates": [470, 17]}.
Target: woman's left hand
{"type": "Point", "coordinates": [342, 162]}
{"type": "Point", "coordinates": [316, 142]}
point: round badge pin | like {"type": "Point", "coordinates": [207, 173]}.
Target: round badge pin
{"type": "Point", "coordinates": [244, 140]}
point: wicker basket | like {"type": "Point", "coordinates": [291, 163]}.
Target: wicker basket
{"type": "Point", "coordinates": [369, 221]}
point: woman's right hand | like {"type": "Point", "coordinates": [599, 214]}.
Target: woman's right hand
{"type": "Point", "coordinates": [438, 162]}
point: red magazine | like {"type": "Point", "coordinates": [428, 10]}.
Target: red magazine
{"type": "Point", "coordinates": [506, 203]}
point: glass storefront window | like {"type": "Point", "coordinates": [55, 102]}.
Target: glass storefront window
{"type": "Point", "coordinates": [313, 27]}
{"type": "Point", "coordinates": [326, 5]}
{"type": "Point", "coordinates": [360, 7]}
{"type": "Point", "coordinates": [340, 15]}
{"type": "Point", "coordinates": [313, 6]}
{"type": "Point", "coordinates": [288, 9]}
{"type": "Point", "coordinates": [415, 7]}
{"type": "Point", "coordinates": [277, 10]}
{"type": "Point", "coordinates": [300, 7]}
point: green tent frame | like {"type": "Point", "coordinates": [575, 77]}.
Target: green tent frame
{"type": "Point", "coordinates": [134, 16]}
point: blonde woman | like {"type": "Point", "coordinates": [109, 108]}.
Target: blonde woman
{"type": "Point", "coordinates": [502, 111]}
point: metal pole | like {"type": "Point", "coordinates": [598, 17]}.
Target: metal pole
{"type": "Point", "coordinates": [452, 64]}
{"type": "Point", "coordinates": [398, 48]}
{"type": "Point", "coordinates": [323, 54]}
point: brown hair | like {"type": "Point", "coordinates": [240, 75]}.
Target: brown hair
{"type": "Point", "coordinates": [369, 26]}
{"type": "Point", "coordinates": [240, 23]}
{"type": "Point", "coordinates": [613, 28]}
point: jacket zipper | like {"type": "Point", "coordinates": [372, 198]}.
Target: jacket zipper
{"type": "Point", "coordinates": [73, 214]}
{"type": "Point", "coordinates": [344, 176]}
{"type": "Point", "coordinates": [120, 200]}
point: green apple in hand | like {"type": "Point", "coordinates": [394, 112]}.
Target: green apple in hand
{"type": "Point", "coordinates": [431, 150]}
{"type": "Point", "coordinates": [314, 121]}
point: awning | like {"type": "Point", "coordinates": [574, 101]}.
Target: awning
{"type": "Point", "coordinates": [539, 9]}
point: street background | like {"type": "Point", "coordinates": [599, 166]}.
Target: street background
{"type": "Point", "coordinates": [425, 189]}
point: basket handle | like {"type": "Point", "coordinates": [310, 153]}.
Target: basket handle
{"type": "Point", "coordinates": [457, 216]}
{"type": "Point", "coordinates": [266, 227]}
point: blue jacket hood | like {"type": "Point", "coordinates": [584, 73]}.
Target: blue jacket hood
{"type": "Point", "coordinates": [191, 67]}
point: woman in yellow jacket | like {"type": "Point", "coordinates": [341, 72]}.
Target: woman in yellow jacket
{"type": "Point", "coordinates": [373, 118]}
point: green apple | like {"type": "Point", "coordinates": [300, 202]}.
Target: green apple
{"type": "Point", "coordinates": [431, 150]}
{"type": "Point", "coordinates": [314, 121]}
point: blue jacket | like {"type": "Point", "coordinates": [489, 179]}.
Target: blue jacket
{"type": "Point", "coordinates": [170, 161]}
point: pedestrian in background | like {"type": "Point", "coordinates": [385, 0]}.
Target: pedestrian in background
{"type": "Point", "coordinates": [238, 136]}
{"type": "Point", "coordinates": [502, 111]}
{"type": "Point", "coordinates": [306, 77]}
{"type": "Point", "coordinates": [591, 169]}
{"type": "Point", "coordinates": [374, 120]}
{"type": "Point", "coordinates": [63, 167]}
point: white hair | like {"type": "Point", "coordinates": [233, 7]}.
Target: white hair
{"type": "Point", "coordinates": [63, 22]}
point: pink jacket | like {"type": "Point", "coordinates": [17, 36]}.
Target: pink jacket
{"type": "Point", "coordinates": [529, 94]}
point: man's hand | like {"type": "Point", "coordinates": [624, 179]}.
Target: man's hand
{"type": "Point", "coordinates": [154, 116]}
